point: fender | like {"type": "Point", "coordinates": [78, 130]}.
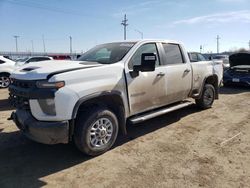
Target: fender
{"type": "Point", "coordinates": [121, 112]}
{"type": "Point", "coordinates": [93, 96]}
{"type": "Point", "coordinates": [216, 87]}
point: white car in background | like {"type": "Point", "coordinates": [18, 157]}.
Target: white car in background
{"type": "Point", "coordinates": [7, 66]}
{"type": "Point", "coordinates": [26, 60]}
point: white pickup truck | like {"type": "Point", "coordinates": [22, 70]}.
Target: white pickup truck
{"type": "Point", "coordinates": [90, 100]}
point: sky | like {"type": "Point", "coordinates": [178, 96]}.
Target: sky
{"type": "Point", "coordinates": [195, 23]}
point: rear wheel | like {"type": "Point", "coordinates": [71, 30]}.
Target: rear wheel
{"type": "Point", "coordinates": [96, 131]}
{"type": "Point", "coordinates": [4, 80]}
{"type": "Point", "coordinates": [207, 97]}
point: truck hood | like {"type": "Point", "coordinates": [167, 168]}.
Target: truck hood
{"type": "Point", "coordinates": [239, 59]}
{"type": "Point", "coordinates": [45, 69]}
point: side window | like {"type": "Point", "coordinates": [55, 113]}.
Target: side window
{"type": "Point", "coordinates": [146, 48]}
{"type": "Point", "coordinates": [35, 59]}
{"type": "Point", "coordinates": [42, 59]}
{"type": "Point", "coordinates": [173, 54]}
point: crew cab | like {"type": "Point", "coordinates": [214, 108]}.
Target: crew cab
{"type": "Point", "coordinates": [90, 100]}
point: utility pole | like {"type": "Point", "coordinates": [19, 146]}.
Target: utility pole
{"type": "Point", "coordinates": [140, 32]}
{"type": "Point", "coordinates": [15, 36]}
{"type": "Point", "coordinates": [125, 24]}
{"type": "Point", "coordinates": [32, 46]}
{"type": "Point", "coordinates": [249, 45]}
{"type": "Point", "coordinates": [218, 43]}
{"type": "Point", "coordinates": [200, 48]}
{"type": "Point", "coordinates": [70, 43]}
{"type": "Point", "coordinates": [44, 48]}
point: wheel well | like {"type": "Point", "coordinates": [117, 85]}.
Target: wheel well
{"type": "Point", "coordinates": [5, 73]}
{"type": "Point", "coordinates": [213, 80]}
{"type": "Point", "coordinates": [113, 102]}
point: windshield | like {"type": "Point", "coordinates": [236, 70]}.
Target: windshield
{"type": "Point", "coordinates": [107, 53]}
{"type": "Point", "coordinates": [22, 60]}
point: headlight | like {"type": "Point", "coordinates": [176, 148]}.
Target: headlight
{"type": "Point", "coordinates": [52, 85]}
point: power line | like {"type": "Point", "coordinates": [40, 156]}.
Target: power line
{"type": "Point", "coordinates": [15, 36]}
{"type": "Point", "coordinates": [140, 32]}
{"type": "Point", "coordinates": [52, 9]}
{"type": "Point", "coordinates": [125, 24]}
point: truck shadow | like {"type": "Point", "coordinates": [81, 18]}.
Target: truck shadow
{"type": "Point", "coordinates": [140, 129]}
{"type": "Point", "coordinates": [5, 105]}
{"type": "Point", "coordinates": [230, 90]}
{"type": "Point", "coordinates": [23, 162]}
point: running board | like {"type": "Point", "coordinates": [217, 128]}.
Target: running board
{"type": "Point", "coordinates": [149, 115]}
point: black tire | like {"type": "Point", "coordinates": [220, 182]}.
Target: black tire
{"type": "Point", "coordinates": [207, 98]}
{"type": "Point", "coordinates": [4, 80]}
{"type": "Point", "coordinates": [86, 122]}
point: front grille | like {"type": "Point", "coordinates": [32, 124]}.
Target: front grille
{"type": "Point", "coordinates": [17, 93]}
{"type": "Point", "coordinates": [23, 83]}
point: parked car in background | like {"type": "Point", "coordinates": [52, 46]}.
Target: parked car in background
{"type": "Point", "coordinates": [61, 57]}
{"type": "Point", "coordinates": [196, 57]}
{"type": "Point", "coordinates": [26, 60]}
{"type": "Point", "coordinates": [239, 70]}
{"type": "Point", "coordinates": [6, 68]}
{"type": "Point", "coordinates": [224, 59]}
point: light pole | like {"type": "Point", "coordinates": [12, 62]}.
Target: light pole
{"type": "Point", "coordinates": [125, 24]}
{"type": "Point", "coordinates": [15, 36]}
{"type": "Point", "coordinates": [218, 44]}
{"type": "Point", "coordinates": [32, 46]}
{"type": "Point", "coordinates": [70, 43]}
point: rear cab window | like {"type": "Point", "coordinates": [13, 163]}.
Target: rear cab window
{"type": "Point", "coordinates": [193, 57]}
{"type": "Point", "coordinates": [173, 54]}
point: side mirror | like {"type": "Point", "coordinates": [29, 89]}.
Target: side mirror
{"type": "Point", "coordinates": [148, 61]}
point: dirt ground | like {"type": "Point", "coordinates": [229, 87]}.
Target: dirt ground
{"type": "Point", "coordinates": [186, 148]}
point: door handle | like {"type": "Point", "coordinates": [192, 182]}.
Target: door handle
{"type": "Point", "coordinates": [161, 74]}
{"type": "Point", "coordinates": [187, 70]}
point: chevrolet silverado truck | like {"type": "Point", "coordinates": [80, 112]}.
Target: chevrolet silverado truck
{"type": "Point", "coordinates": [90, 100]}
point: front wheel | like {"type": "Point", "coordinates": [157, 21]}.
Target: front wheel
{"type": "Point", "coordinates": [96, 131]}
{"type": "Point", "coordinates": [207, 98]}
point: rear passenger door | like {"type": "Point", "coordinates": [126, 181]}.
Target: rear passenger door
{"type": "Point", "coordinates": [178, 78]}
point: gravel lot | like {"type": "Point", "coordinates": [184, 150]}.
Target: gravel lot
{"type": "Point", "coordinates": [186, 148]}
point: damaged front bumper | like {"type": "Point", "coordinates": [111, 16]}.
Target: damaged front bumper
{"type": "Point", "coordinates": [40, 131]}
